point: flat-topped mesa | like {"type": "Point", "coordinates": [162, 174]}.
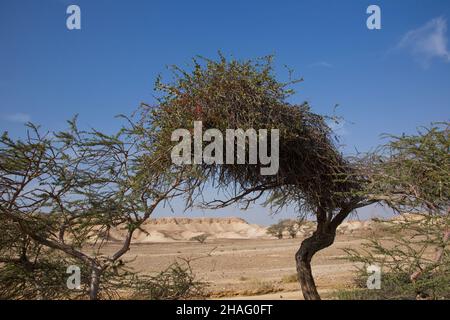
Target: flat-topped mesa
{"type": "Point", "coordinates": [185, 229]}
{"type": "Point", "coordinates": [203, 220]}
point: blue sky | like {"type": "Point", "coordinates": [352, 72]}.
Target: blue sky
{"type": "Point", "coordinates": [385, 81]}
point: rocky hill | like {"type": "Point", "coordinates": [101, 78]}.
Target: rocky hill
{"type": "Point", "coordinates": [184, 229]}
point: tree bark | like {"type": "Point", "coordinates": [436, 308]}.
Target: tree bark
{"type": "Point", "coordinates": [94, 283]}
{"type": "Point", "coordinates": [318, 241]}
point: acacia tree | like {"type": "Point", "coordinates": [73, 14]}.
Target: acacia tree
{"type": "Point", "coordinates": [276, 230]}
{"type": "Point", "coordinates": [64, 192]}
{"type": "Point", "coordinates": [411, 174]}
{"type": "Point", "coordinates": [28, 270]}
{"type": "Point", "coordinates": [313, 175]}
{"type": "Point", "coordinates": [292, 226]}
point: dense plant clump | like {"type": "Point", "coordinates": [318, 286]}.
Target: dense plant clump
{"type": "Point", "coordinates": [200, 238]}
{"type": "Point", "coordinates": [174, 283]}
{"type": "Point", "coordinates": [245, 94]}
{"type": "Point", "coordinates": [411, 173]}
{"type": "Point", "coordinates": [287, 225]}
{"type": "Point", "coordinates": [414, 258]}
{"type": "Point", "coordinates": [64, 191]}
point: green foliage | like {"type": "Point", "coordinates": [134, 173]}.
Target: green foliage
{"type": "Point", "coordinates": [395, 286]}
{"type": "Point", "coordinates": [30, 270]}
{"type": "Point", "coordinates": [414, 258]}
{"type": "Point", "coordinates": [174, 283]}
{"type": "Point", "coordinates": [276, 230]}
{"type": "Point", "coordinates": [288, 225]}
{"type": "Point", "coordinates": [292, 226]}
{"type": "Point", "coordinates": [231, 94]}
{"type": "Point", "coordinates": [65, 190]}
{"type": "Point", "coordinates": [38, 276]}
{"type": "Point", "coordinates": [27, 269]}
{"type": "Point", "coordinates": [411, 173]}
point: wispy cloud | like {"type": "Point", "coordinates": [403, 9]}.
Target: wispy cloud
{"type": "Point", "coordinates": [427, 43]}
{"type": "Point", "coordinates": [18, 117]}
{"type": "Point", "coordinates": [321, 64]}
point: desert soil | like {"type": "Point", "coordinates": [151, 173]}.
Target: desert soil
{"type": "Point", "coordinates": [249, 268]}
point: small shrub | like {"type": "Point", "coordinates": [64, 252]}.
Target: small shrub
{"type": "Point", "coordinates": [200, 238]}
{"type": "Point", "coordinates": [292, 226]}
{"type": "Point", "coordinates": [398, 286]}
{"type": "Point", "coordinates": [263, 287]}
{"type": "Point", "coordinates": [414, 259]}
{"type": "Point", "coordinates": [174, 283]}
{"type": "Point", "coordinates": [288, 225]}
{"type": "Point", "coordinates": [276, 230]}
{"type": "Point", "coordinates": [290, 278]}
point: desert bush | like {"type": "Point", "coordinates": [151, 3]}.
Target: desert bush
{"type": "Point", "coordinates": [292, 230]}
{"type": "Point", "coordinates": [288, 225]}
{"type": "Point", "coordinates": [262, 287]}
{"type": "Point", "coordinates": [30, 270]}
{"type": "Point", "coordinates": [276, 230]}
{"type": "Point", "coordinates": [243, 278]}
{"type": "Point", "coordinates": [398, 286]}
{"type": "Point", "coordinates": [411, 173]}
{"type": "Point", "coordinates": [414, 259]}
{"type": "Point", "coordinates": [292, 226]}
{"type": "Point", "coordinates": [64, 190]}
{"type": "Point", "coordinates": [174, 283]}
{"type": "Point", "coordinates": [290, 278]}
{"type": "Point", "coordinates": [44, 277]}
{"type": "Point", "coordinates": [200, 238]}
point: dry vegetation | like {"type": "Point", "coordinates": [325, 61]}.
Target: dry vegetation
{"type": "Point", "coordinates": [64, 195]}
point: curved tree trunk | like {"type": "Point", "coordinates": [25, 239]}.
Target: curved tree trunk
{"type": "Point", "coordinates": [318, 241]}
{"type": "Point", "coordinates": [322, 238]}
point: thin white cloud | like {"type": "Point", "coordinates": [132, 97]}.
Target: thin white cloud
{"type": "Point", "coordinates": [428, 42]}
{"type": "Point", "coordinates": [322, 64]}
{"type": "Point", "coordinates": [18, 117]}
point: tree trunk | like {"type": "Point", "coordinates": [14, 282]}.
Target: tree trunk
{"type": "Point", "coordinates": [94, 283]}
{"type": "Point", "coordinates": [318, 241]}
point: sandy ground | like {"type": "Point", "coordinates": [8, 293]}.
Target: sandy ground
{"type": "Point", "coordinates": [250, 268]}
